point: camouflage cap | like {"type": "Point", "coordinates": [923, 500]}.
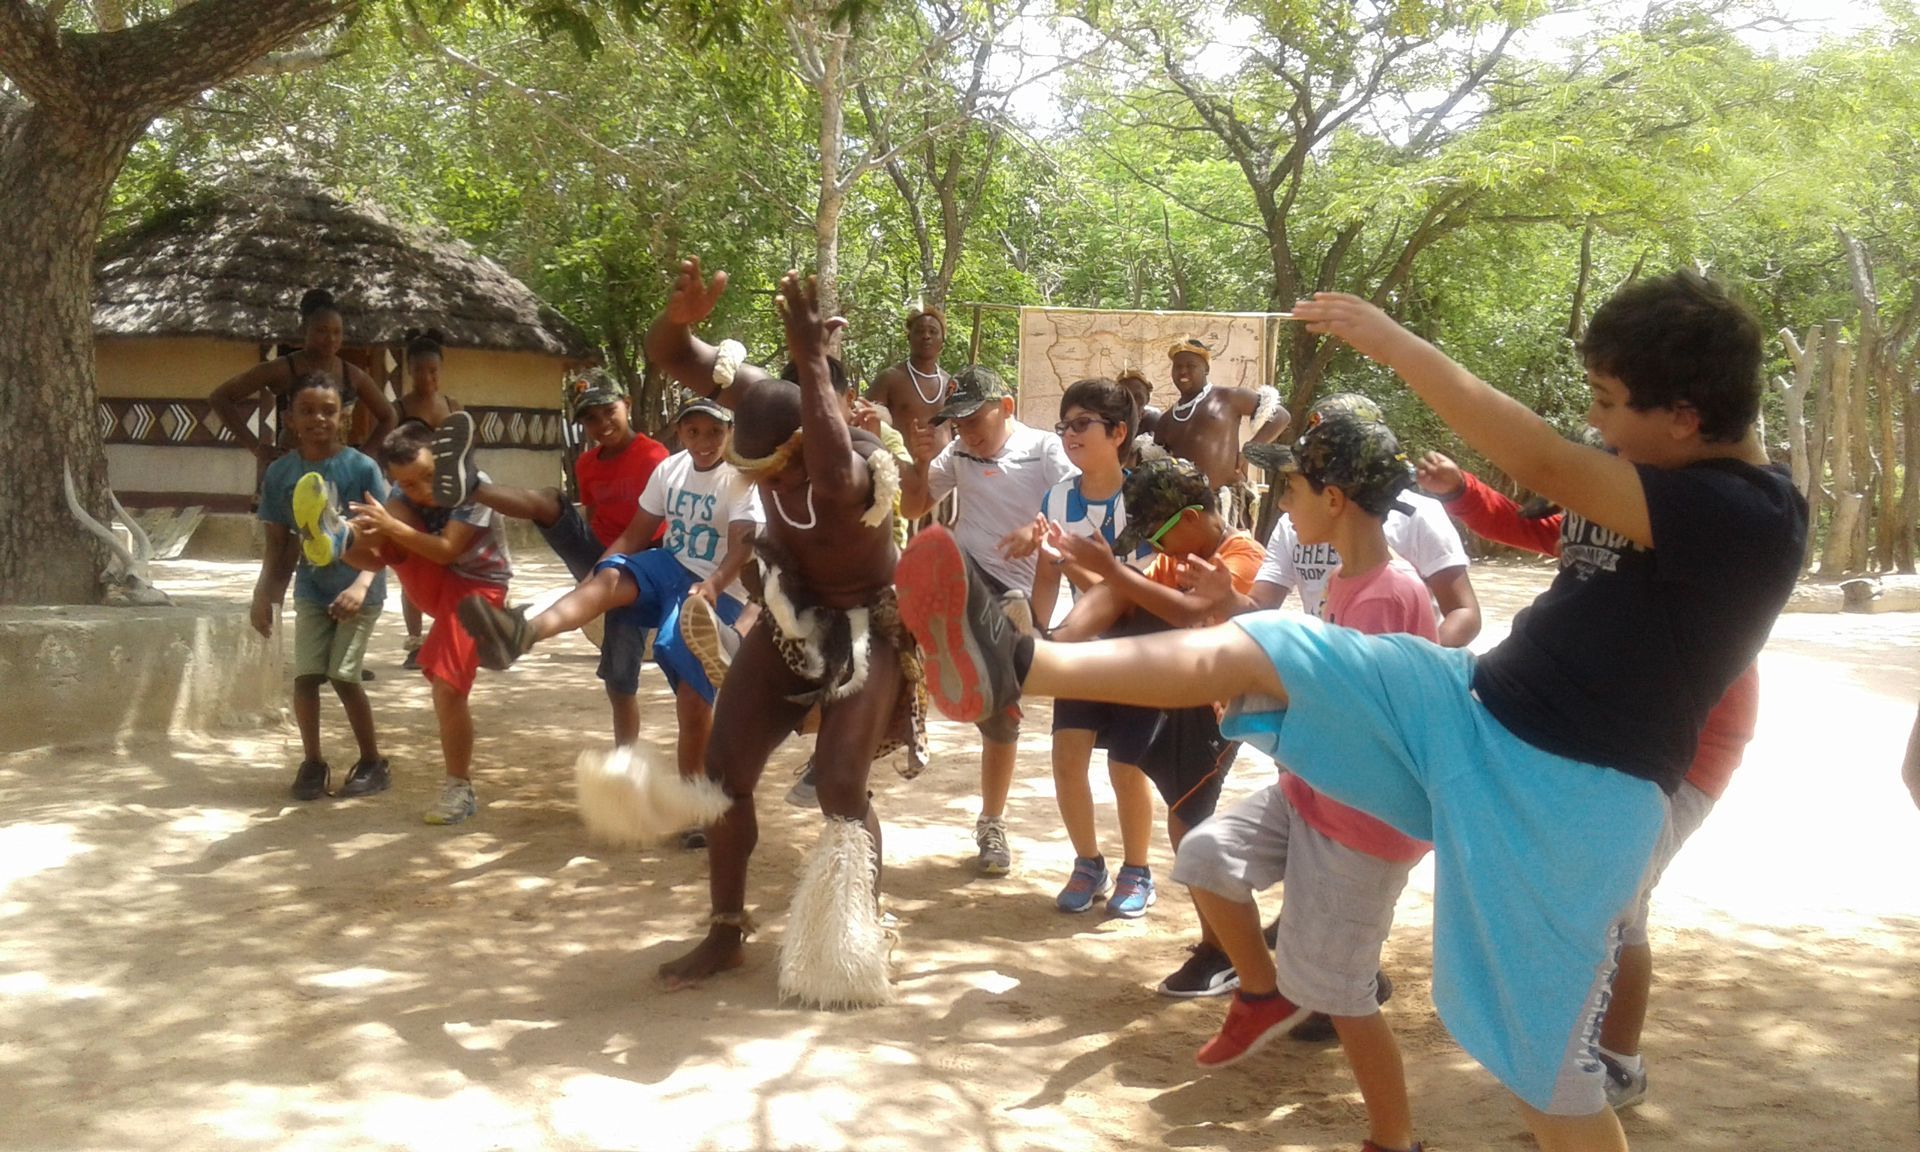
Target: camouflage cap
{"type": "Point", "coordinates": [973, 386]}
{"type": "Point", "coordinates": [1345, 403]}
{"type": "Point", "coordinates": [594, 389]}
{"type": "Point", "coordinates": [1360, 457]}
{"type": "Point", "coordinates": [1154, 493]}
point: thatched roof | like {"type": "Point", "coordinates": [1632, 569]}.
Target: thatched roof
{"type": "Point", "coordinates": [234, 265]}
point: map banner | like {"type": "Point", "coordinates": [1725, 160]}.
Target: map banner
{"type": "Point", "coordinates": [1061, 345]}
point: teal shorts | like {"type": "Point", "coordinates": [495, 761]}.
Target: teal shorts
{"type": "Point", "coordinates": [323, 646]}
{"type": "Point", "coordinates": [1536, 857]}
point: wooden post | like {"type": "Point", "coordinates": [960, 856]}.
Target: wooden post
{"type": "Point", "coordinates": [973, 342]}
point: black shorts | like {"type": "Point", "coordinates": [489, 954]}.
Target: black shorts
{"type": "Point", "coordinates": [1001, 727]}
{"type": "Point", "coordinates": [1124, 731]}
{"type": "Point", "coordinates": [571, 540]}
{"type": "Point", "coordinates": [1188, 762]}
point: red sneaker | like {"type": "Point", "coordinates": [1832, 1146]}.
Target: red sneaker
{"type": "Point", "coordinates": [1249, 1025]}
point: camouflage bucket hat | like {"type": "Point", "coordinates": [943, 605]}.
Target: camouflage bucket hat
{"type": "Point", "coordinates": [1345, 404]}
{"type": "Point", "coordinates": [1154, 493]}
{"type": "Point", "coordinates": [1360, 457]}
{"type": "Point", "coordinates": [973, 386]}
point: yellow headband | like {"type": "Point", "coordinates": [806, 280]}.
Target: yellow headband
{"type": "Point", "coordinates": [1189, 344]}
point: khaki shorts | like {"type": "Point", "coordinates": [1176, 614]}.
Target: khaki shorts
{"type": "Point", "coordinates": [323, 646]}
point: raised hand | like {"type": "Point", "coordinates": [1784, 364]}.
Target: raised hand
{"type": "Point", "coordinates": [920, 442]}
{"type": "Point", "coordinates": [693, 297]}
{"type": "Point", "coordinates": [798, 302]}
{"type": "Point", "coordinates": [1438, 475]}
{"type": "Point", "coordinates": [1025, 540]}
{"type": "Point", "coordinates": [1088, 552]}
{"type": "Point", "coordinates": [1211, 582]}
{"type": "Point", "coordinates": [1371, 332]}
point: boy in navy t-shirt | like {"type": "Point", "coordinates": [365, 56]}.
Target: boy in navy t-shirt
{"type": "Point", "coordinates": [1540, 772]}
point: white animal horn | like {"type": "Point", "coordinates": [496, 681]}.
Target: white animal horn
{"type": "Point", "coordinates": [142, 543]}
{"type": "Point", "coordinates": [90, 524]}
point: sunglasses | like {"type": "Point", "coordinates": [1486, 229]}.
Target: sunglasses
{"type": "Point", "coordinates": [1153, 541]}
{"type": "Point", "coordinates": [1079, 425]}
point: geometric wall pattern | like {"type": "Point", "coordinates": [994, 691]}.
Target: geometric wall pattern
{"type": "Point", "coordinates": [192, 423]}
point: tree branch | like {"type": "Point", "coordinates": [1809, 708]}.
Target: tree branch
{"type": "Point", "coordinates": [162, 63]}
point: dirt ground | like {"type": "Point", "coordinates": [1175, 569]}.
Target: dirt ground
{"type": "Point", "coordinates": [189, 960]}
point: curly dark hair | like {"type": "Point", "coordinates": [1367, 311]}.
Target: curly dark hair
{"type": "Point", "coordinates": [1681, 340]}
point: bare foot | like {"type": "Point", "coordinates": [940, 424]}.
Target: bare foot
{"type": "Point", "coordinates": [719, 952]}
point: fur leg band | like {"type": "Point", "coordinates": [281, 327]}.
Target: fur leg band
{"type": "Point", "coordinates": [835, 951]}
{"type": "Point", "coordinates": [627, 798]}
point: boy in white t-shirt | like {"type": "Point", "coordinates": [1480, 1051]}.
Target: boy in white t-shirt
{"type": "Point", "coordinates": [1426, 539]}
{"type": "Point", "coordinates": [1098, 419]}
{"type": "Point", "coordinates": [1002, 470]}
{"type": "Point", "coordinates": [711, 514]}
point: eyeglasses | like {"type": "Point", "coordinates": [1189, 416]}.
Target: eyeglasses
{"type": "Point", "coordinates": [1153, 541]}
{"type": "Point", "coordinates": [1079, 425]}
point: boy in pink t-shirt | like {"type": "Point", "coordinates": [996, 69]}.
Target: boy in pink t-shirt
{"type": "Point", "coordinates": [1343, 869]}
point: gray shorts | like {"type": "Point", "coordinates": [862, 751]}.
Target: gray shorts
{"type": "Point", "coordinates": [1686, 810]}
{"type": "Point", "coordinates": [1338, 905]}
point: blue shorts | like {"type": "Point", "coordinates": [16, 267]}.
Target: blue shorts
{"type": "Point", "coordinates": [661, 585]}
{"type": "Point", "coordinates": [1536, 857]}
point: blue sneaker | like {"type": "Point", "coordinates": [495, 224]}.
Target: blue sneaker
{"type": "Point", "coordinates": [1089, 880]}
{"type": "Point", "coordinates": [1133, 893]}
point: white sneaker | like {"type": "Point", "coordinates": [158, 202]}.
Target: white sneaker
{"type": "Point", "coordinates": [456, 804]}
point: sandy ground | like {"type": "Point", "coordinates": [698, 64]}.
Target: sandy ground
{"type": "Point", "coordinates": [188, 960]}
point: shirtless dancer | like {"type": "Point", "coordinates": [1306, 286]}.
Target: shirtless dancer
{"type": "Point", "coordinates": [914, 390]}
{"type": "Point", "coordinates": [1204, 426]}
{"type": "Point", "coordinates": [831, 635]}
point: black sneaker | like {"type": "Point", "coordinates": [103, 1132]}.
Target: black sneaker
{"type": "Point", "coordinates": [1207, 972]}
{"type": "Point", "coordinates": [366, 778]}
{"type": "Point", "coordinates": [693, 838]}
{"type": "Point", "coordinates": [454, 478]}
{"type": "Point", "coordinates": [366, 676]}
{"type": "Point", "coordinates": [502, 635]}
{"type": "Point", "coordinates": [310, 782]}
{"type": "Point", "coordinates": [966, 641]}
{"type": "Point", "coordinates": [1319, 1026]}
{"type": "Point", "coordinates": [1272, 935]}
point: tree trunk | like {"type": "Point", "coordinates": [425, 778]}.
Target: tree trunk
{"type": "Point", "coordinates": [832, 87]}
{"type": "Point", "coordinates": [1910, 487]}
{"type": "Point", "coordinates": [55, 176]}
{"type": "Point", "coordinates": [1837, 558]}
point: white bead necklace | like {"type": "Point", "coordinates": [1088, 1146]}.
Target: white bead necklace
{"type": "Point", "coordinates": [939, 378]}
{"type": "Point", "coordinates": [1192, 405]}
{"type": "Point", "coordinates": [812, 517]}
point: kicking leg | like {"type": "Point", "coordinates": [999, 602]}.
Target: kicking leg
{"type": "Point", "coordinates": [755, 715]}
{"type": "Point", "coordinates": [543, 506]}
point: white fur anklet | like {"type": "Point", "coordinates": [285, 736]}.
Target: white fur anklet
{"type": "Point", "coordinates": [835, 951]}
{"type": "Point", "coordinates": [627, 798]}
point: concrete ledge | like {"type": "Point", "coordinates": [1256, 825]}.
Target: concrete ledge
{"type": "Point", "coordinates": [88, 675]}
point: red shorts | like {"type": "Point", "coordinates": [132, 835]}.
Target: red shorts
{"type": "Point", "coordinates": [448, 653]}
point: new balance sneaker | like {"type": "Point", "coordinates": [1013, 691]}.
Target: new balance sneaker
{"type": "Point", "coordinates": [1133, 893]}
{"type": "Point", "coordinates": [456, 804]}
{"type": "Point", "coordinates": [966, 641]}
{"type": "Point", "coordinates": [323, 535]}
{"type": "Point", "coordinates": [711, 640]}
{"type": "Point", "coordinates": [367, 777]}
{"type": "Point", "coordinates": [1319, 1026]}
{"type": "Point", "coordinates": [802, 794]}
{"type": "Point", "coordinates": [996, 858]}
{"type": "Point", "coordinates": [454, 476]}
{"type": "Point", "coordinates": [1088, 881]}
{"type": "Point", "coordinates": [1625, 1086]}
{"type": "Point", "coordinates": [1207, 972]}
{"type": "Point", "coordinates": [311, 780]}
{"type": "Point", "coordinates": [502, 635]}
{"type": "Point", "coordinates": [1250, 1026]}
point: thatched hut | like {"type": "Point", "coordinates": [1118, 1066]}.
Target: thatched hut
{"type": "Point", "coordinates": [192, 298]}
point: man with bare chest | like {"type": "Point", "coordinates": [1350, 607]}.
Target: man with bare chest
{"type": "Point", "coordinates": [914, 390]}
{"type": "Point", "coordinates": [1204, 425]}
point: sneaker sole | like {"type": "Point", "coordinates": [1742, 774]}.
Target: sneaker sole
{"type": "Point", "coordinates": [700, 628]}
{"type": "Point", "coordinates": [440, 820]}
{"type": "Point", "coordinates": [310, 508]}
{"type": "Point", "coordinates": [799, 799]}
{"type": "Point", "coordinates": [380, 784]}
{"type": "Point", "coordinates": [452, 457]}
{"type": "Point", "coordinates": [1092, 898]}
{"type": "Point", "coordinates": [1229, 986]}
{"type": "Point", "coordinates": [495, 648]}
{"type": "Point", "coordinates": [1261, 1041]}
{"type": "Point", "coordinates": [932, 582]}
{"type": "Point", "coordinates": [994, 869]}
{"type": "Point", "coordinates": [1122, 914]}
